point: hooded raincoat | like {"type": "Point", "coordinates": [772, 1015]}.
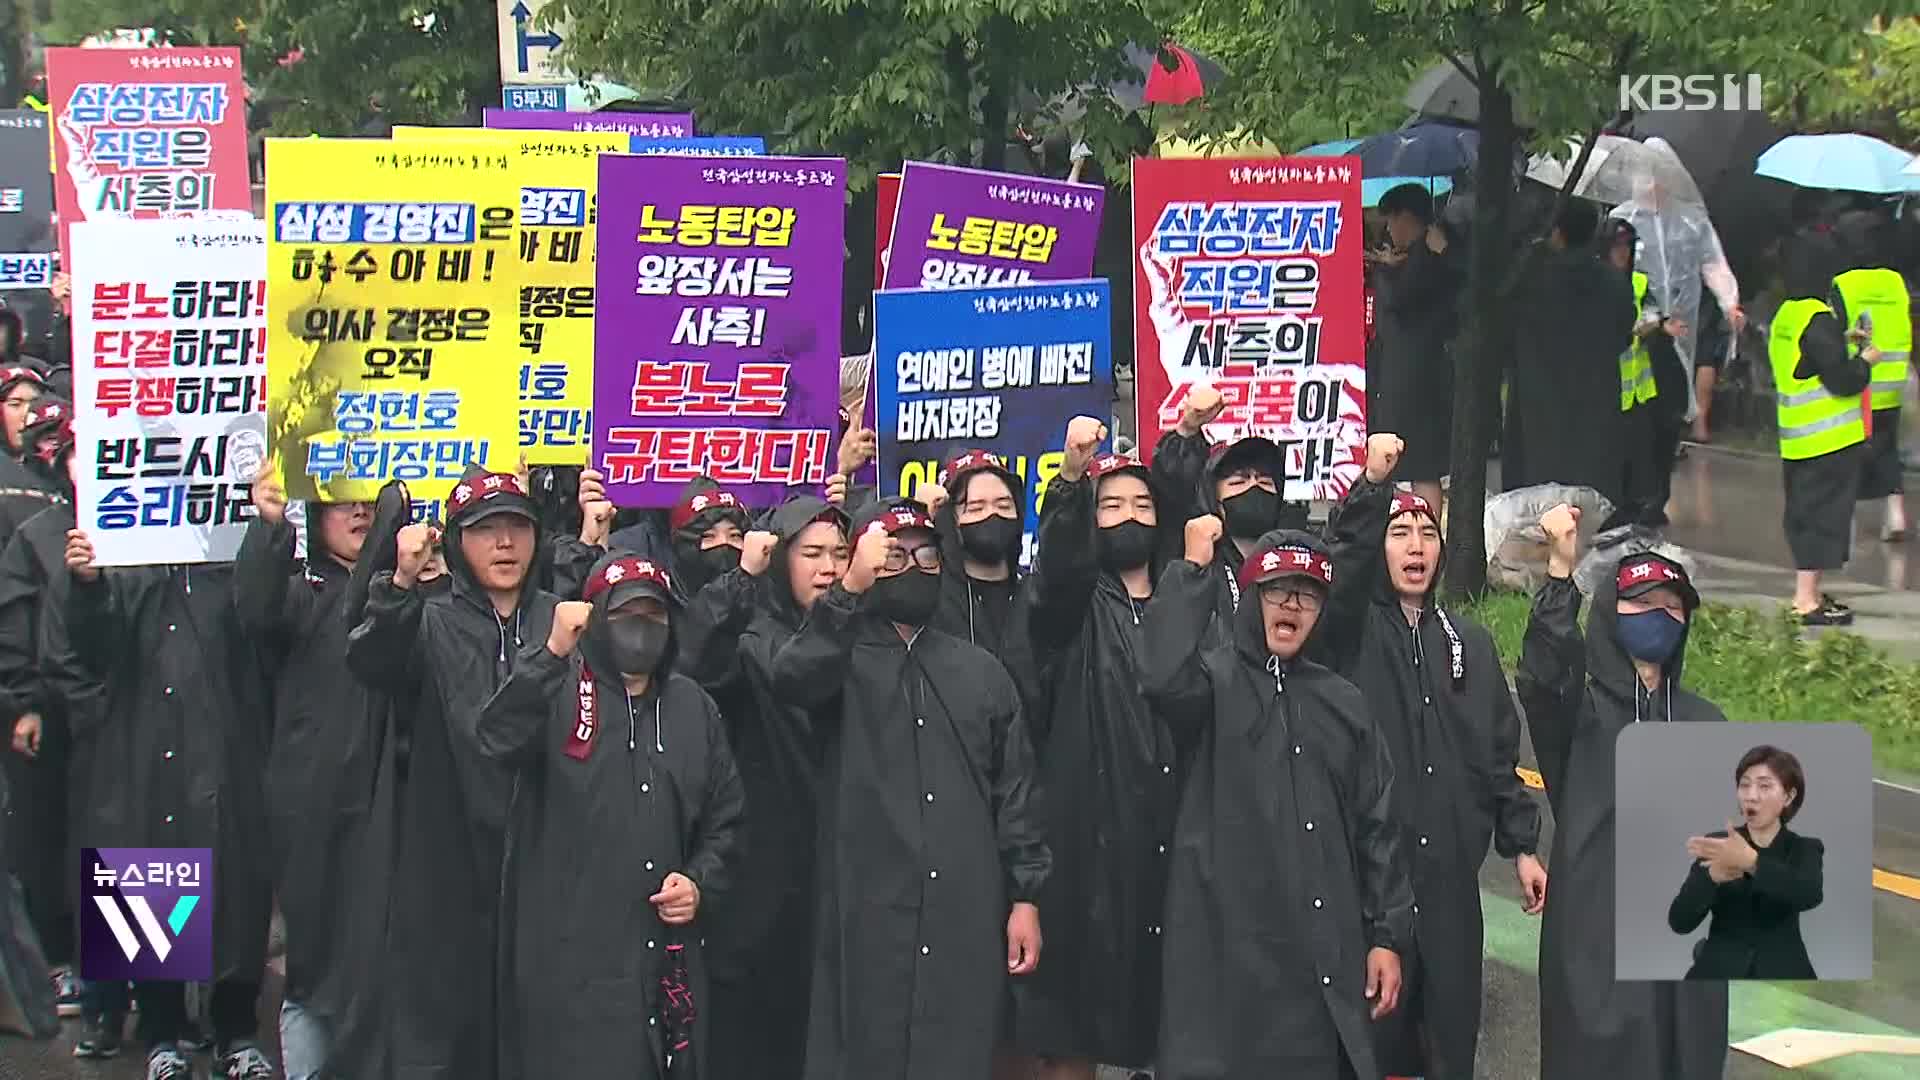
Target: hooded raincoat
{"type": "Point", "coordinates": [1412, 357]}
{"type": "Point", "coordinates": [990, 614]}
{"type": "Point", "coordinates": [1578, 697]}
{"type": "Point", "coordinates": [440, 655]}
{"type": "Point", "coordinates": [1109, 785]}
{"type": "Point", "coordinates": [1438, 696]}
{"type": "Point", "coordinates": [1189, 470]}
{"type": "Point", "coordinates": [927, 837]}
{"type": "Point", "coordinates": [1287, 863]}
{"type": "Point", "coordinates": [1575, 318]}
{"type": "Point", "coordinates": [615, 792]}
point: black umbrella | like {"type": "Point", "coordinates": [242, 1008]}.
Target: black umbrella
{"type": "Point", "coordinates": [1419, 150]}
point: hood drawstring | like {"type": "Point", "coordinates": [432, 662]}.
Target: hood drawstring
{"type": "Point", "coordinates": [1279, 674]}
{"type": "Point", "coordinates": [1666, 684]}
{"type": "Point", "coordinates": [1233, 587]}
{"type": "Point", "coordinates": [517, 643]}
{"type": "Point", "coordinates": [1459, 671]}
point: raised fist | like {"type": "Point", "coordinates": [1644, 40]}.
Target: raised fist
{"type": "Point", "coordinates": [756, 552]}
{"type": "Point", "coordinates": [1202, 534]}
{"type": "Point", "coordinates": [596, 511]}
{"type": "Point", "coordinates": [857, 447]}
{"type": "Point", "coordinates": [269, 498]}
{"type": "Point", "coordinates": [869, 558]}
{"type": "Point", "coordinates": [837, 489]}
{"type": "Point", "coordinates": [80, 556]}
{"type": "Point", "coordinates": [1383, 456]}
{"type": "Point", "coordinates": [415, 545]}
{"type": "Point", "coordinates": [931, 496]}
{"type": "Point", "coordinates": [569, 622]}
{"type": "Point", "coordinates": [1562, 526]}
{"type": "Point", "coordinates": [1204, 405]}
{"type": "Point", "coordinates": [1084, 435]}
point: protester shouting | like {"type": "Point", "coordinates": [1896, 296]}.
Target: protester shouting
{"type": "Point", "coordinates": [760, 933]}
{"type": "Point", "coordinates": [177, 763]}
{"type": "Point", "coordinates": [20, 386]}
{"type": "Point", "coordinates": [441, 657]}
{"type": "Point", "coordinates": [1434, 687]}
{"type": "Point", "coordinates": [1288, 900]}
{"type": "Point", "coordinates": [1107, 771]}
{"type": "Point", "coordinates": [24, 490]}
{"type": "Point", "coordinates": [626, 790]}
{"type": "Point", "coordinates": [930, 860]}
{"type": "Point", "coordinates": [1578, 697]}
{"type": "Point", "coordinates": [320, 762]}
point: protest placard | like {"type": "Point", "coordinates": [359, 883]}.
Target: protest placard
{"type": "Point", "coordinates": [717, 341]}
{"type": "Point", "coordinates": [966, 228]}
{"type": "Point", "coordinates": [703, 146]}
{"type": "Point", "coordinates": [1000, 370]}
{"type": "Point", "coordinates": [559, 174]}
{"type": "Point", "coordinates": [169, 386]}
{"type": "Point", "coordinates": [394, 275]}
{"type": "Point", "coordinates": [1248, 278]}
{"type": "Point", "coordinates": [26, 186]}
{"type": "Point", "coordinates": [642, 125]}
{"type": "Point", "coordinates": [146, 133]}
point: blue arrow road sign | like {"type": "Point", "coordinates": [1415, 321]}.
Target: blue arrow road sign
{"type": "Point", "coordinates": [548, 40]}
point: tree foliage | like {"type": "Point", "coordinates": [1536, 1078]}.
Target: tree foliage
{"type": "Point", "coordinates": [1878, 93]}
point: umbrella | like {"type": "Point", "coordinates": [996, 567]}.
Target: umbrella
{"type": "Point", "coordinates": [1913, 167]}
{"type": "Point", "coordinates": [1443, 92]}
{"type": "Point", "coordinates": [1419, 150]}
{"type": "Point", "coordinates": [1372, 187]}
{"type": "Point", "coordinates": [1841, 162]}
{"type": "Point", "coordinates": [1169, 75]}
{"type": "Point", "coordinates": [1610, 170]}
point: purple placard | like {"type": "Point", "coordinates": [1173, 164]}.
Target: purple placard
{"type": "Point", "coordinates": [966, 229]}
{"type": "Point", "coordinates": [645, 125]}
{"type": "Point", "coordinates": [717, 328]}
{"type": "Point", "coordinates": [146, 914]}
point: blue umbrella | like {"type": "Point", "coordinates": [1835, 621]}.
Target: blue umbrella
{"type": "Point", "coordinates": [1329, 149]}
{"type": "Point", "coordinates": [1419, 150]}
{"type": "Point", "coordinates": [1372, 187]}
{"type": "Point", "coordinates": [1841, 162]}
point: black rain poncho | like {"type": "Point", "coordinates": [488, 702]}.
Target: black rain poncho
{"type": "Point", "coordinates": [598, 823]}
{"type": "Point", "coordinates": [1578, 697]}
{"type": "Point", "coordinates": [1287, 868]}
{"type": "Point", "coordinates": [927, 836]}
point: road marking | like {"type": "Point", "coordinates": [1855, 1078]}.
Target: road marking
{"type": "Point", "coordinates": [1792, 1048]}
{"type": "Point", "coordinates": [1884, 880]}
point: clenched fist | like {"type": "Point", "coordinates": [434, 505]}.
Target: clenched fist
{"type": "Point", "coordinates": [415, 544]}
{"type": "Point", "coordinates": [1084, 435]}
{"type": "Point", "coordinates": [269, 498]}
{"type": "Point", "coordinates": [1202, 534]}
{"type": "Point", "coordinates": [1562, 526]}
{"type": "Point", "coordinates": [756, 552]}
{"type": "Point", "coordinates": [931, 496]}
{"type": "Point", "coordinates": [837, 489]}
{"type": "Point", "coordinates": [869, 558]}
{"type": "Point", "coordinates": [596, 511]}
{"type": "Point", "coordinates": [569, 622]}
{"type": "Point", "coordinates": [1204, 405]}
{"type": "Point", "coordinates": [1383, 456]}
{"type": "Point", "coordinates": [80, 556]}
{"type": "Point", "coordinates": [857, 447]}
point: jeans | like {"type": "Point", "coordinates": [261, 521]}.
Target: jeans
{"type": "Point", "coordinates": [303, 1041]}
{"type": "Point", "coordinates": [108, 999]}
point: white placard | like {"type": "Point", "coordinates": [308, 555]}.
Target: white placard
{"type": "Point", "coordinates": [170, 386]}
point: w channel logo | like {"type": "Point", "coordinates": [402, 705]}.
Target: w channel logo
{"type": "Point", "coordinates": [148, 914]}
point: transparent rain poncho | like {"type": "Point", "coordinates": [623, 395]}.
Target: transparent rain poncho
{"type": "Point", "coordinates": [1678, 247]}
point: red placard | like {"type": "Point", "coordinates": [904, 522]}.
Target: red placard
{"type": "Point", "coordinates": [1248, 276]}
{"type": "Point", "coordinates": [887, 187]}
{"type": "Point", "coordinates": [147, 133]}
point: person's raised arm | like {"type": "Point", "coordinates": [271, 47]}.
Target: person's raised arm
{"type": "Point", "coordinates": [718, 614]}
{"type": "Point", "coordinates": [264, 568]}
{"type": "Point", "coordinates": [1356, 532]}
{"type": "Point", "coordinates": [1172, 678]}
{"type": "Point", "coordinates": [383, 650]}
{"type": "Point", "coordinates": [1553, 659]}
{"type": "Point", "coordinates": [512, 724]}
{"type": "Point", "coordinates": [812, 666]}
{"type": "Point", "coordinates": [1066, 569]}
{"type": "Point", "coordinates": [1180, 457]}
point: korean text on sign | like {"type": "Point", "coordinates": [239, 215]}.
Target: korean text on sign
{"type": "Point", "coordinates": [1248, 278]}
{"type": "Point", "coordinates": [960, 228]}
{"type": "Point", "coordinates": [988, 369]}
{"type": "Point", "coordinates": [170, 386]}
{"type": "Point", "coordinates": [716, 345]}
{"type": "Point", "coordinates": [146, 133]}
{"type": "Point", "coordinates": [393, 269]}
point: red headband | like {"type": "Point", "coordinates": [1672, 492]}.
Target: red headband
{"type": "Point", "coordinates": [483, 487]}
{"type": "Point", "coordinates": [1637, 572]}
{"type": "Point", "coordinates": [700, 504]}
{"type": "Point", "coordinates": [1406, 502]}
{"type": "Point", "coordinates": [13, 374]}
{"type": "Point", "coordinates": [1287, 561]}
{"type": "Point", "coordinates": [899, 519]}
{"type": "Point", "coordinates": [620, 571]}
{"type": "Point", "coordinates": [1108, 464]}
{"type": "Point", "coordinates": [969, 461]}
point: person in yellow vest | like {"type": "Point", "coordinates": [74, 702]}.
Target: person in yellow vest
{"type": "Point", "coordinates": [1818, 384]}
{"type": "Point", "coordinates": [1870, 290]}
{"type": "Point", "coordinates": [1648, 476]}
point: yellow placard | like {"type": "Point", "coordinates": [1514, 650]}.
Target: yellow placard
{"type": "Point", "coordinates": [559, 176]}
{"type": "Point", "coordinates": [392, 277]}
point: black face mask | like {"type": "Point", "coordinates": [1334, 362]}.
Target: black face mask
{"type": "Point", "coordinates": [1126, 546]}
{"type": "Point", "coordinates": [995, 539]}
{"type": "Point", "coordinates": [908, 598]}
{"type": "Point", "coordinates": [636, 644]}
{"type": "Point", "coordinates": [1252, 513]}
{"type": "Point", "coordinates": [699, 566]}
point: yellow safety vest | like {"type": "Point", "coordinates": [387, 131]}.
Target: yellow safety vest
{"type": "Point", "coordinates": [1636, 364]}
{"type": "Point", "coordinates": [1813, 421]}
{"type": "Point", "coordinates": [1882, 295]}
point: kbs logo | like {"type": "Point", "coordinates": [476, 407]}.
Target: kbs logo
{"type": "Point", "coordinates": [146, 914]}
{"type": "Point", "coordinates": [1690, 93]}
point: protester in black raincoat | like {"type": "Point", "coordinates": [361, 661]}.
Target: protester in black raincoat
{"type": "Point", "coordinates": [1416, 286]}
{"type": "Point", "coordinates": [1578, 697]}
{"type": "Point", "coordinates": [1109, 781]}
{"type": "Point", "coordinates": [21, 384]}
{"type": "Point", "coordinates": [23, 491]}
{"type": "Point", "coordinates": [326, 730]}
{"type": "Point", "coordinates": [760, 932]}
{"type": "Point", "coordinates": [1434, 687]}
{"type": "Point", "coordinates": [1288, 901]}
{"type": "Point", "coordinates": [717, 596]}
{"type": "Point", "coordinates": [930, 859]}
{"type": "Point", "coordinates": [177, 762]}
{"type": "Point", "coordinates": [982, 527]}
{"type": "Point", "coordinates": [613, 851]}
{"type": "Point", "coordinates": [440, 658]}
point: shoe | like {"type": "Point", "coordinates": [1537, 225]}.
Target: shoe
{"type": "Point", "coordinates": [101, 1039]}
{"type": "Point", "coordinates": [1831, 612]}
{"type": "Point", "coordinates": [1893, 536]}
{"type": "Point", "coordinates": [66, 991]}
{"type": "Point", "coordinates": [244, 1061]}
{"type": "Point", "coordinates": [196, 1039]}
{"type": "Point", "coordinates": [169, 1063]}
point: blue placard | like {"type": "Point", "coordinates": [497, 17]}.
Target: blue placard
{"type": "Point", "coordinates": [534, 98]}
{"type": "Point", "coordinates": [703, 146]}
{"type": "Point", "coordinates": [1000, 370]}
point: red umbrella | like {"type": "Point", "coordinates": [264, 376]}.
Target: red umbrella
{"type": "Point", "coordinates": [1177, 75]}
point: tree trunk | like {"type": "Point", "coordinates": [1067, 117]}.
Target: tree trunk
{"type": "Point", "coordinates": [993, 103]}
{"type": "Point", "coordinates": [1487, 343]}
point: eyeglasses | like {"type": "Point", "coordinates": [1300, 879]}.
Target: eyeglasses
{"type": "Point", "coordinates": [1280, 594]}
{"type": "Point", "coordinates": [926, 557]}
